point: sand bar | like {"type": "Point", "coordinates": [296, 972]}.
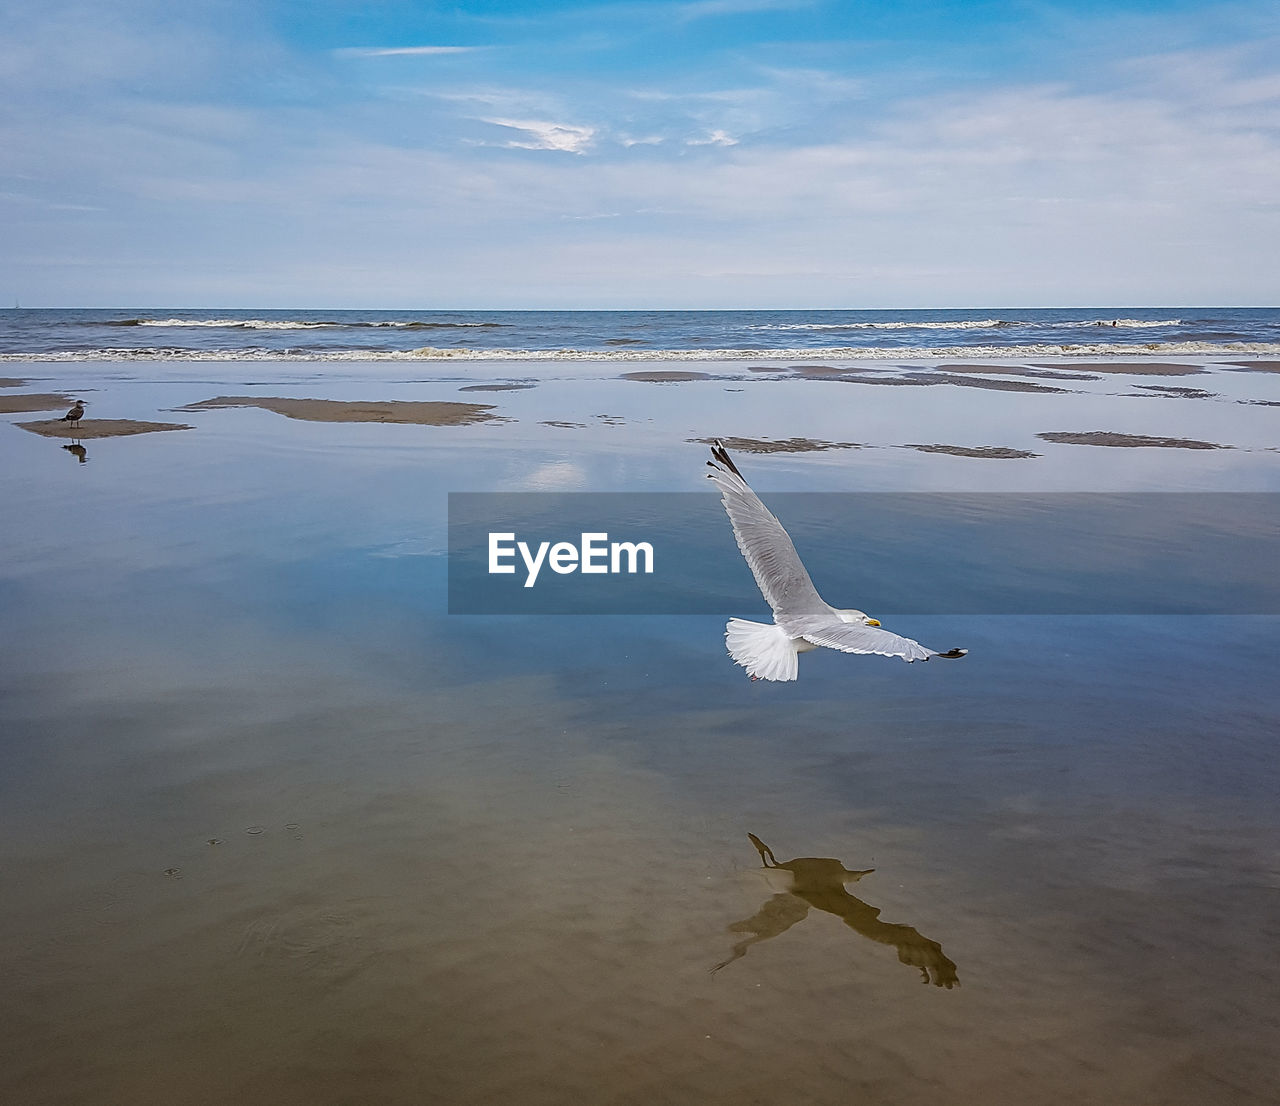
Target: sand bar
{"type": "Point", "coordinates": [1013, 370]}
{"type": "Point", "coordinates": [900, 381]}
{"type": "Point", "coordinates": [497, 387]}
{"type": "Point", "coordinates": [785, 445]}
{"type": "Point", "coordinates": [1127, 441]}
{"type": "Point", "coordinates": [11, 382]}
{"type": "Point", "coordinates": [665, 376]}
{"type": "Point", "coordinates": [12, 405]}
{"type": "Point", "coordinates": [818, 370]}
{"type": "Point", "coordinates": [992, 385]}
{"type": "Point", "coordinates": [332, 410]}
{"type": "Point", "coordinates": [1180, 393]}
{"type": "Point", "coordinates": [1256, 366]}
{"type": "Point", "coordinates": [995, 452]}
{"type": "Point", "coordinates": [1134, 368]}
{"type": "Point", "coordinates": [98, 428]}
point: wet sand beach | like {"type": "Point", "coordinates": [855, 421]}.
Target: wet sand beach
{"type": "Point", "coordinates": [277, 828]}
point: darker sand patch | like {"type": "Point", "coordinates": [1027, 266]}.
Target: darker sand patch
{"type": "Point", "coordinates": [564, 425]}
{"type": "Point", "coordinates": [49, 401]}
{"type": "Point", "coordinates": [767, 369]}
{"type": "Point", "coordinates": [333, 410]}
{"type": "Point", "coordinates": [665, 376]}
{"type": "Point", "coordinates": [625, 342]}
{"type": "Point", "coordinates": [818, 370]}
{"type": "Point", "coordinates": [994, 452]}
{"type": "Point", "coordinates": [1126, 441]}
{"type": "Point", "coordinates": [991, 385]}
{"type": "Point", "coordinates": [497, 387]}
{"type": "Point", "coordinates": [11, 382]}
{"type": "Point", "coordinates": [784, 445]}
{"type": "Point", "coordinates": [899, 381]}
{"type": "Point", "coordinates": [1134, 368]}
{"type": "Point", "coordinates": [1256, 366]}
{"type": "Point", "coordinates": [1179, 393]}
{"type": "Point", "coordinates": [1014, 370]}
{"type": "Point", "coordinates": [98, 428]}
{"type": "Point", "coordinates": [925, 379]}
{"type": "Point", "coordinates": [1260, 402]}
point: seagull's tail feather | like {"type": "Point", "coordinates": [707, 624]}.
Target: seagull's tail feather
{"type": "Point", "coordinates": [765, 651]}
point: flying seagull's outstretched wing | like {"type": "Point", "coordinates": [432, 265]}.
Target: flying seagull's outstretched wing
{"type": "Point", "coordinates": [799, 612]}
{"type": "Point", "coordinates": [850, 637]}
{"type": "Point", "coordinates": [767, 547]}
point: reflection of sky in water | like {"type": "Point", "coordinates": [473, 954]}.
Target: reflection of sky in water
{"type": "Point", "coordinates": [516, 841]}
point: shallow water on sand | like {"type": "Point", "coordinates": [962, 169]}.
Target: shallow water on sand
{"type": "Point", "coordinates": [275, 828]}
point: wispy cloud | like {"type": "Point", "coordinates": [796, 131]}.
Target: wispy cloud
{"type": "Point", "coordinates": [403, 51]}
{"type": "Point", "coordinates": [543, 135]}
{"type": "Point", "coordinates": [715, 138]}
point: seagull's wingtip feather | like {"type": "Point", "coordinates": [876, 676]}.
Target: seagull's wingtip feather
{"type": "Point", "coordinates": [721, 454]}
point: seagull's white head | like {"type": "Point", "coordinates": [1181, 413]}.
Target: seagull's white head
{"type": "Point", "coordinates": [857, 616]}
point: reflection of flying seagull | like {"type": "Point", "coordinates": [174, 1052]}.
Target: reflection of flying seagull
{"type": "Point", "coordinates": [75, 414]}
{"type": "Point", "coordinates": [819, 882]}
{"type": "Point", "coordinates": [801, 619]}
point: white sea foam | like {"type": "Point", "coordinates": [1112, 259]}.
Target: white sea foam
{"type": "Point", "coordinates": [237, 324]}
{"type": "Point", "coordinates": [966, 324]}
{"type": "Point", "coordinates": [1130, 323]}
{"type": "Point", "coordinates": [292, 324]}
{"type": "Point", "coordinates": [847, 353]}
{"type": "Point", "coordinates": [962, 324]}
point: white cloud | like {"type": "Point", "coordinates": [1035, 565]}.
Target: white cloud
{"type": "Point", "coordinates": [715, 138]}
{"type": "Point", "coordinates": [402, 51]}
{"type": "Point", "coordinates": [542, 135]}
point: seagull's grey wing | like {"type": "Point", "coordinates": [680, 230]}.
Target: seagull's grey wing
{"type": "Point", "coordinates": [768, 550]}
{"type": "Point", "coordinates": [853, 637]}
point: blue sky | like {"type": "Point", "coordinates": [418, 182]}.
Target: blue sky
{"type": "Point", "coordinates": [650, 153]}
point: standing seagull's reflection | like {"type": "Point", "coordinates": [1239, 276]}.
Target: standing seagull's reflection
{"type": "Point", "coordinates": [820, 881]}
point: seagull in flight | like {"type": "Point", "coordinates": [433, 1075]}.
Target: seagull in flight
{"type": "Point", "coordinates": [801, 619]}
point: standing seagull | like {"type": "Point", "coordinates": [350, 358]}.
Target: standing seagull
{"type": "Point", "coordinates": [801, 619]}
{"type": "Point", "coordinates": [75, 414]}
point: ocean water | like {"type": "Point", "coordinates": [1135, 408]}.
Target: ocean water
{"type": "Point", "coordinates": [632, 335]}
{"type": "Point", "coordinates": [275, 827]}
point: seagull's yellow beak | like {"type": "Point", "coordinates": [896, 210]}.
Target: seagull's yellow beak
{"type": "Point", "coordinates": [873, 622]}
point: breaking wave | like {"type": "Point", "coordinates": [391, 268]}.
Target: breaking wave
{"type": "Point", "coordinates": [847, 353]}
{"type": "Point", "coordinates": [293, 324]}
{"type": "Point", "coordinates": [967, 324]}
